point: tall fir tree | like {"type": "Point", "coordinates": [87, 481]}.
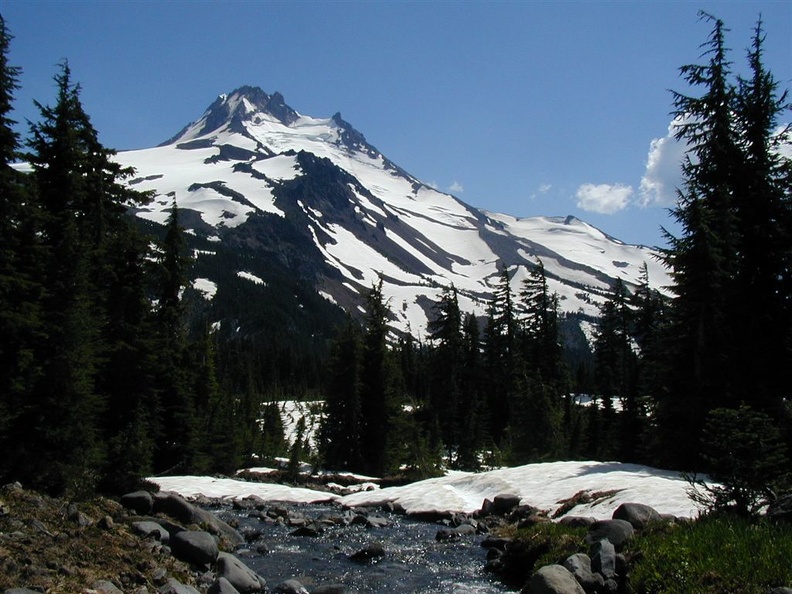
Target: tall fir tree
{"type": "Point", "coordinates": [445, 332]}
{"type": "Point", "coordinates": [20, 286]}
{"type": "Point", "coordinates": [340, 432]}
{"type": "Point", "coordinates": [702, 260]}
{"type": "Point", "coordinates": [378, 397]}
{"type": "Point", "coordinates": [500, 355]}
{"type": "Point", "coordinates": [760, 311]}
{"type": "Point", "coordinates": [728, 331]}
{"type": "Point", "coordinates": [177, 433]}
{"type": "Point", "coordinates": [86, 243]}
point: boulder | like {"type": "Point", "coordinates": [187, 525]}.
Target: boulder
{"type": "Point", "coordinates": [603, 558]}
{"type": "Point", "coordinates": [238, 574]}
{"type": "Point", "coordinates": [780, 510]}
{"type": "Point", "coordinates": [106, 587]}
{"type": "Point", "coordinates": [374, 550]}
{"type": "Point", "coordinates": [176, 587]}
{"type": "Point", "coordinates": [141, 502]}
{"type": "Point", "coordinates": [290, 587]}
{"type": "Point", "coordinates": [377, 522]}
{"type": "Point", "coordinates": [781, 590]}
{"type": "Point", "coordinates": [552, 579]}
{"type": "Point", "coordinates": [616, 531]}
{"type": "Point", "coordinates": [455, 533]}
{"type": "Point", "coordinates": [197, 548]}
{"type": "Point", "coordinates": [149, 529]}
{"type": "Point", "coordinates": [313, 529]}
{"type": "Point", "coordinates": [177, 507]}
{"type": "Point", "coordinates": [222, 586]}
{"type": "Point", "coordinates": [637, 514]}
{"type": "Point", "coordinates": [579, 565]}
{"type": "Point", "coordinates": [496, 542]}
{"type": "Point", "coordinates": [577, 521]}
{"type": "Point", "coordinates": [503, 504]}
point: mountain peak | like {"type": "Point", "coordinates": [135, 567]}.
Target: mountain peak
{"type": "Point", "coordinates": [234, 108]}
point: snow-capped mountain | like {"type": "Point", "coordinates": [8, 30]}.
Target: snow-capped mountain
{"type": "Point", "coordinates": [252, 173]}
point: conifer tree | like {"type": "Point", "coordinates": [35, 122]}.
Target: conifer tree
{"type": "Point", "coordinates": [761, 313]}
{"type": "Point", "coordinates": [475, 415]}
{"type": "Point", "coordinates": [702, 260]}
{"type": "Point", "coordinates": [728, 328]}
{"type": "Point", "coordinates": [20, 289]}
{"type": "Point", "coordinates": [92, 271]}
{"type": "Point", "coordinates": [378, 401]}
{"type": "Point", "coordinates": [177, 433]}
{"type": "Point", "coordinates": [445, 331]}
{"type": "Point", "coordinates": [500, 355]}
{"type": "Point", "coordinates": [340, 432]}
{"type": "Point", "coordinates": [616, 369]}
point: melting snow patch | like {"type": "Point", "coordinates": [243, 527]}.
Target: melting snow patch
{"type": "Point", "coordinates": [251, 277]}
{"type": "Point", "coordinates": [206, 287]}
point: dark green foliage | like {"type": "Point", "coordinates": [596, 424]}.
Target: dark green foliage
{"type": "Point", "coordinates": [744, 454]}
{"type": "Point", "coordinates": [727, 336]}
{"type": "Point", "coordinates": [715, 554]}
{"type": "Point", "coordinates": [340, 434]}
{"type": "Point", "coordinates": [445, 333]}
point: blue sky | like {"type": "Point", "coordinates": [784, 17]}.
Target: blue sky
{"type": "Point", "coordinates": [526, 108]}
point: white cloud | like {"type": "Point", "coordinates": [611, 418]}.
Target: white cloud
{"type": "Point", "coordinates": [544, 188]}
{"type": "Point", "coordinates": [603, 198]}
{"type": "Point", "coordinates": [456, 187]}
{"type": "Point", "coordinates": [663, 173]}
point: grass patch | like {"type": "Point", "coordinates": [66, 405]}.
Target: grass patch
{"type": "Point", "coordinates": [714, 555]}
{"type": "Point", "coordinates": [541, 544]}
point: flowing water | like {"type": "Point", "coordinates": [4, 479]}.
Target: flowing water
{"type": "Point", "coordinates": [414, 561]}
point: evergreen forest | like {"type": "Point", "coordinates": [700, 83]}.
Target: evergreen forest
{"type": "Point", "coordinates": [112, 368]}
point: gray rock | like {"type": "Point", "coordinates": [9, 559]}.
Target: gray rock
{"type": "Point", "coordinates": [780, 590]}
{"type": "Point", "coordinates": [140, 502]}
{"type": "Point", "coordinates": [176, 587]}
{"type": "Point", "coordinates": [455, 533]}
{"type": "Point", "coordinates": [106, 587]}
{"type": "Point", "coordinates": [290, 587]}
{"type": "Point", "coordinates": [503, 504]}
{"type": "Point", "coordinates": [20, 591]}
{"type": "Point", "coordinates": [222, 586]}
{"type": "Point", "coordinates": [377, 522]}
{"type": "Point", "coordinates": [312, 530]}
{"type": "Point", "coordinates": [637, 514]}
{"type": "Point", "coordinates": [579, 565]}
{"type": "Point", "coordinates": [616, 531]}
{"type": "Point", "coordinates": [148, 529]}
{"type": "Point", "coordinates": [177, 507]}
{"type": "Point", "coordinates": [198, 548]}
{"type": "Point", "coordinates": [372, 551]}
{"type": "Point", "coordinates": [577, 521]}
{"type": "Point", "coordinates": [603, 558]}
{"type": "Point", "coordinates": [780, 510]}
{"type": "Point", "coordinates": [552, 579]}
{"type": "Point", "coordinates": [240, 575]}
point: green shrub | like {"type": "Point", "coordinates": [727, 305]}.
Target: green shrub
{"type": "Point", "coordinates": [718, 554]}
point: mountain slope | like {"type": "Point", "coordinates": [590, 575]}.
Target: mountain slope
{"type": "Point", "coordinates": [259, 177]}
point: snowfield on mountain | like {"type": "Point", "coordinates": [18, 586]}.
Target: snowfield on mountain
{"type": "Point", "coordinates": [251, 157]}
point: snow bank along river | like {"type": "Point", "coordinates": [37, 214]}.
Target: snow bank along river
{"type": "Point", "coordinates": [414, 561]}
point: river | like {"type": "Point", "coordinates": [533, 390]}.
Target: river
{"type": "Point", "coordinates": [414, 561]}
